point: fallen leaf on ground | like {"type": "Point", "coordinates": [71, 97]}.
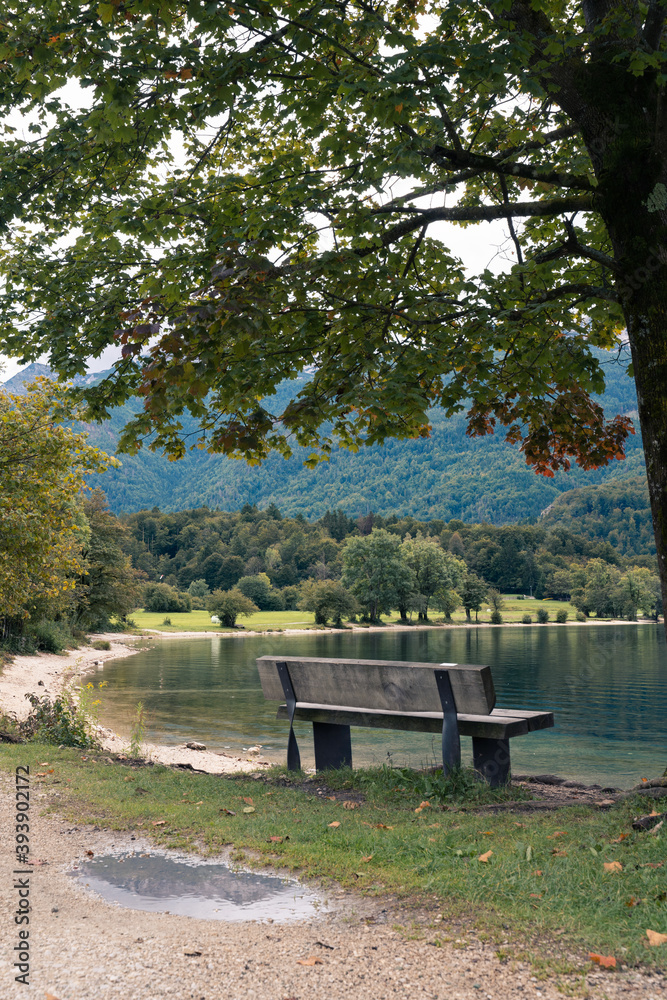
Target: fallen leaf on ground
{"type": "Point", "coordinates": [368, 858]}
{"type": "Point", "coordinates": [536, 895]}
{"type": "Point", "coordinates": [652, 864]}
{"type": "Point", "coordinates": [520, 824]}
{"type": "Point", "coordinates": [655, 938]}
{"type": "Point", "coordinates": [248, 800]}
{"type": "Point", "coordinates": [558, 833]}
{"type": "Point", "coordinates": [621, 836]}
{"type": "Point", "coordinates": [613, 866]}
{"type": "Point", "coordinates": [248, 809]}
{"type": "Point", "coordinates": [228, 812]}
{"type": "Point", "coordinates": [159, 822]}
{"type": "Point", "coordinates": [130, 777]}
{"type": "Point", "coordinates": [91, 854]}
{"type": "Point", "coordinates": [488, 833]}
{"type": "Point", "coordinates": [604, 961]}
{"type": "Point", "coordinates": [537, 872]}
{"type": "Point", "coordinates": [275, 840]}
{"type": "Point", "coordinates": [559, 854]}
{"type": "Point", "coordinates": [349, 804]}
{"type": "Point", "coordinates": [485, 857]}
{"type": "Point", "coordinates": [377, 826]}
{"type": "Point", "coordinates": [335, 823]}
{"type": "Point", "coordinates": [44, 763]}
{"type": "Point", "coordinates": [633, 901]}
{"type": "Point", "coordinates": [50, 996]}
{"type": "Point", "coordinates": [311, 960]}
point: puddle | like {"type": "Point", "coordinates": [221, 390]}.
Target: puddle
{"type": "Point", "coordinates": [168, 883]}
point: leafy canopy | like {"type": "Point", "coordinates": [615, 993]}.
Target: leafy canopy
{"type": "Point", "coordinates": [43, 528]}
{"type": "Point", "coordinates": [239, 193]}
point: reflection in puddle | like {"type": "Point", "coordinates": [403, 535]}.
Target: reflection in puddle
{"type": "Point", "coordinates": [195, 888]}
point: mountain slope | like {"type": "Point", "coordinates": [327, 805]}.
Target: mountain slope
{"type": "Point", "coordinates": [447, 475]}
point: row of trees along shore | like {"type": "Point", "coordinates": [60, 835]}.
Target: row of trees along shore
{"type": "Point", "coordinates": [338, 567]}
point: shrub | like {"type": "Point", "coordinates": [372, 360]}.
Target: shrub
{"type": "Point", "coordinates": [327, 599]}
{"type": "Point", "coordinates": [101, 644]}
{"type": "Point", "coordinates": [527, 620]}
{"type": "Point", "coordinates": [60, 722]}
{"type": "Point", "coordinates": [496, 617]}
{"type": "Point", "coordinates": [228, 605]}
{"type": "Point", "coordinates": [166, 621]}
{"type": "Point", "coordinates": [542, 616]}
{"type": "Point", "coordinates": [561, 616]}
{"type": "Point", "coordinates": [50, 637]}
{"type": "Point", "coordinates": [581, 617]}
{"type": "Point", "coordinates": [162, 597]}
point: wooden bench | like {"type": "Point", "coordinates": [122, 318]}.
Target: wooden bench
{"type": "Point", "coordinates": [453, 699]}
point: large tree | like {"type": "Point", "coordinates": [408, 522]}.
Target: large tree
{"type": "Point", "coordinates": [235, 194]}
{"type": "Point", "coordinates": [43, 527]}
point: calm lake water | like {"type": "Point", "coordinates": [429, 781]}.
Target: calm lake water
{"type": "Point", "coordinates": [607, 686]}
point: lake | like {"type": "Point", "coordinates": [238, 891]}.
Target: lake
{"type": "Point", "coordinates": [606, 684]}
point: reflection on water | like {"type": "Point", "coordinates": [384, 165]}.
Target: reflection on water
{"type": "Point", "coordinates": [162, 883]}
{"type": "Point", "coordinates": [607, 686]}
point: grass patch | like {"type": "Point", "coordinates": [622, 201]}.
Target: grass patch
{"type": "Point", "coordinates": [200, 621]}
{"type": "Point", "coordinates": [544, 877]}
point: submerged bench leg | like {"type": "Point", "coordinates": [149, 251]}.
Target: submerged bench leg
{"type": "Point", "coordinates": [333, 746]}
{"type": "Point", "coordinates": [492, 759]}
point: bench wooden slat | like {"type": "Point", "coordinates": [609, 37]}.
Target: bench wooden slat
{"type": "Point", "coordinates": [378, 684]}
{"type": "Point", "coordinates": [497, 726]}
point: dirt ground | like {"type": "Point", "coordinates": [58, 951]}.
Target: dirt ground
{"type": "Point", "coordinates": [83, 948]}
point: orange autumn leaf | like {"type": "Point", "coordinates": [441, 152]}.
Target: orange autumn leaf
{"type": "Point", "coordinates": [275, 840]}
{"type": "Point", "coordinates": [485, 857]}
{"type": "Point", "coordinates": [558, 833]}
{"type": "Point", "coordinates": [335, 823]}
{"type": "Point", "coordinates": [248, 800]}
{"type": "Point", "coordinates": [652, 864]}
{"type": "Point", "coordinates": [559, 854]}
{"type": "Point", "coordinates": [538, 872]}
{"type": "Point", "coordinates": [655, 938]}
{"type": "Point", "coordinates": [536, 895]}
{"type": "Point", "coordinates": [369, 857]}
{"type": "Point", "coordinates": [311, 960]}
{"type": "Point", "coordinates": [604, 961]}
{"type": "Point", "coordinates": [621, 836]}
{"type": "Point", "coordinates": [350, 804]}
{"type": "Point", "coordinates": [159, 822]}
{"type": "Point", "coordinates": [613, 866]}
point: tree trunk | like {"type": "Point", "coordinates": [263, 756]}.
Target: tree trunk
{"type": "Point", "coordinates": [648, 342]}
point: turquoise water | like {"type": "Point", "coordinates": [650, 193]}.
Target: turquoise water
{"type": "Point", "coordinates": [606, 684]}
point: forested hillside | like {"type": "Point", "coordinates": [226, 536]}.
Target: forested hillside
{"type": "Point", "coordinates": [617, 511]}
{"type": "Point", "coordinates": [448, 475]}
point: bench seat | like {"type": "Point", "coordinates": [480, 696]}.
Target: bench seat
{"type": "Point", "coordinates": [501, 724]}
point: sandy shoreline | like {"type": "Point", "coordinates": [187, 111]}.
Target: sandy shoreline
{"type": "Point", "coordinates": [50, 673]}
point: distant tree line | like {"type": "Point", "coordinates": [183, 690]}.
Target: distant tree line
{"type": "Point", "coordinates": [338, 567]}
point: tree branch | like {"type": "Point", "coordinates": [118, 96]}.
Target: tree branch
{"type": "Point", "coordinates": [474, 213]}
{"type": "Point", "coordinates": [462, 158]}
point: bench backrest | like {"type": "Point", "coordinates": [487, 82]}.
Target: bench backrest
{"type": "Point", "coordinates": [390, 685]}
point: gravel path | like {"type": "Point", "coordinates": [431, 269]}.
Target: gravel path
{"type": "Point", "coordinates": [85, 949]}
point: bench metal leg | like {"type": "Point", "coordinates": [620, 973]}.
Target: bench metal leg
{"type": "Point", "coordinates": [333, 746]}
{"type": "Point", "coordinates": [491, 758]}
{"type": "Point", "coordinates": [451, 741]}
